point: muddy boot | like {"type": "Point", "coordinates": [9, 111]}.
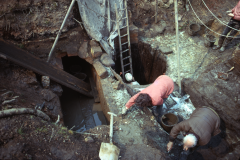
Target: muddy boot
{"type": "Point", "coordinates": [220, 42]}
{"type": "Point", "coordinates": [223, 48]}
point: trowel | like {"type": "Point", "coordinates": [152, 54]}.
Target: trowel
{"type": "Point", "coordinates": [108, 151]}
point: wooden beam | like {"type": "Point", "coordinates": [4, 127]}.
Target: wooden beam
{"type": "Point", "coordinates": [24, 59]}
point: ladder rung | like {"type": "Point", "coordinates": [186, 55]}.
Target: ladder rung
{"type": "Point", "coordinates": [124, 35]}
{"type": "Point", "coordinates": [124, 18]}
{"type": "Point", "coordinates": [124, 43]}
{"type": "Point", "coordinates": [125, 50]}
{"type": "Point", "coordinates": [126, 64]}
{"type": "Point", "coordinates": [124, 27]}
{"type": "Point", "coordinates": [127, 71]}
{"type": "Point", "coordinates": [123, 9]}
{"type": "Point", "coordinates": [126, 57]}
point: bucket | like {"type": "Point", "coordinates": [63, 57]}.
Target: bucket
{"type": "Point", "coordinates": [75, 69]}
{"type": "Point", "coordinates": [81, 76]}
{"type": "Point", "coordinates": [210, 40]}
{"type": "Point", "coordinates": [168, 120]}
{"type": "Point", "coordinates": [193, 29]}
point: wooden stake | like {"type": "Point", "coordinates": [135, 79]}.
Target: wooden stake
{"type": "Point", "coordinates": [156, 11]}
{"type": "Point", "coordinates": [177, 43]}
{"type": "Point", "coordinates": [109, 16]}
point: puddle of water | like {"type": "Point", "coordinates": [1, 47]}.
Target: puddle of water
{"type": "Point", "coordinates": [80, 111]}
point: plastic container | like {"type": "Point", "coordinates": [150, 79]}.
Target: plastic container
{"type": "Point", "coordinates": [168, 120]}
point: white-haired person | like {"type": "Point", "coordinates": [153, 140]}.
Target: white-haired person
{"type": "Point", "coordinates": [130, 80]}
{"type": "Point", "coordinates": [199, 128]}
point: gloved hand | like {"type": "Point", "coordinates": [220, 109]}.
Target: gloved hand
{"type": "Point", "coordinates": [124, 110]}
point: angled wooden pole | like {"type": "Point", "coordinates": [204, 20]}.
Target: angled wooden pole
{"type": "Point", "coordinates": [177, 43]}
{"type": "Point", "coordinates": [60, 30]}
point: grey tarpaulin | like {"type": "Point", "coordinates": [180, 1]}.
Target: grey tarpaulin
{"type": "Point", "coordinates": [94, 14]}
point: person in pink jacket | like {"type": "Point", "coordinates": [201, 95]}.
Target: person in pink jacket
{"type": "Point", "coordinates": [234, 23]}
{"type": "Point", "coordinates": [153, 95]}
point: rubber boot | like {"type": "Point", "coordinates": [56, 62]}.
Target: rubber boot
{"type": "Point", "coordinates": [223, 48]}
{"type": "Point", "coordinates": [220, 42]}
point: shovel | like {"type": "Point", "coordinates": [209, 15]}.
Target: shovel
{"type": "Point", "coordinates": [108, 151]}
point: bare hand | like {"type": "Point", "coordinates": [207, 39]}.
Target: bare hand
{"type": "Point", "coordinates": [185, 148]}
{"type": "Point", "coordinates": [231, 15]}
{"type": "Point", "coordinates": [169, 146]}
{"type": "Point", "coordinates": [124, 110]}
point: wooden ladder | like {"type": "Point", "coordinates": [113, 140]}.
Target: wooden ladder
{"type": "Point", "coordinates": [125, 56]}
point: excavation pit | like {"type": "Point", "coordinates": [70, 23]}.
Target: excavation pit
{"type": "Point", "coordinates": [79, 112]}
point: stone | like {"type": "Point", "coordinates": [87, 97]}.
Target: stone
{"type": "Point", "coordinates": [47, 94]}
{"type": "Point", "coordinates": [100, 69]}
{"type": "Point", "coordinates": [89, 140]}
{"type": "Point", "coordinates": [57, 89]}
{"type": "Point", "coordinates": [89, 60]}
{"type": "Point", "coordinates": [30, 77]}
{"type": "Point", "coordinates": [93, 43]}
{"type": "Point", "coordinates": [107, 60]}
{"type": "Point", "coordinates": [72, 50]}
{"type": "Point", "coordinates": [83, 50]}
{"type": "Point", "coordinates": [45, 81]}
{"type": "Point", "coordinates": [165, 49]}
{"type": "Point", "coordinates": [96, 51]}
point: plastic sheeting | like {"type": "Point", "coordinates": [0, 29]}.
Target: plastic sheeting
{"type": "Point", "coordinates": [95, 17]}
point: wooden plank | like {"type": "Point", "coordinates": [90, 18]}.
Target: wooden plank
{"type": "Point", "coordinates": [24, 59]}
{"type": "Point", "coordinates": [93, 85]}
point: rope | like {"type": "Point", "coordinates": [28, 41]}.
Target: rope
{"type": "Point", "coordinates": [205, 25]}
{"type": "Point", "coordinates": [219, 19]}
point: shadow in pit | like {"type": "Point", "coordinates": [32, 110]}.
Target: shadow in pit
{"type": "Point", "coordinates": [78, 110]}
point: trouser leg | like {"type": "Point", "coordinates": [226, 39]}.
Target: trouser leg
{"type": "Point", "coordinates": [236, 25]}
{"type": "Point", "coordinates": [224, 33]}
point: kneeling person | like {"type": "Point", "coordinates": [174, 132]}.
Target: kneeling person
{"type": "Point", "coordinates": [153, 95]}
{"type": "Point", "coordinates": [199, 128]}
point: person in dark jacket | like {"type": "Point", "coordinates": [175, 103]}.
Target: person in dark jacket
{"type": "Point", "coordinates": [234, 23]}
{"type": "Point", "coordinates": [199, 128]}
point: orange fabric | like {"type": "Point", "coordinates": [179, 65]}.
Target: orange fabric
{"type": "Point", "coordinates": [161, 88]}
{"type": "Point", "coordinates": [236, 12]}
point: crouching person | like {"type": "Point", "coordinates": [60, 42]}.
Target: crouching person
{"type": "Point", "coordinates": [199, 128]}
{"type": "Point", "coordinates": [153, 95]}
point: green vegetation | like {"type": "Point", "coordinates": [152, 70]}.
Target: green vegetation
{"type": "Point", "coordinates": [20, 131]}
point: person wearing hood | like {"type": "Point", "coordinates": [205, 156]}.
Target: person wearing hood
{"type": "Point", "coordinates": [153, 95]}
{"type": "Point", "coordinates": [234, 23]}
